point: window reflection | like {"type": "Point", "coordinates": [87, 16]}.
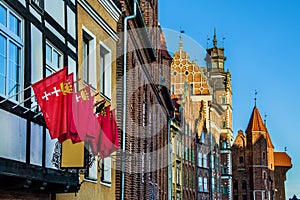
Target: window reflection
{"type": "Point", "coordinates": [2, 15]}
{"type": "Point", "coordinates": [14, 24]}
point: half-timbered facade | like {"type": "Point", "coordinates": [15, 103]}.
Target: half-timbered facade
{"type": "Point", "coordinates": [37, 37]}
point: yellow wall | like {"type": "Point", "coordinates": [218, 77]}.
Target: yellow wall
{"type": "Point", "coordinates": [95, 189]}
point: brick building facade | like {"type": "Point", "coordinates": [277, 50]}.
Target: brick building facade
{"type": "Point", "coordinates": [142, 163]}
{"type": "Point", "coordinates": [206, 123]}
{"type": "Point", "coordinates": [258, 171]}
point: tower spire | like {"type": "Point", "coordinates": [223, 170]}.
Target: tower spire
{"type": "Point", "coordinates": [215, 37]}
{"type": "Point", "coordinates": [180, 38]}
{"type": "Point", "coordinates": [255, 94]}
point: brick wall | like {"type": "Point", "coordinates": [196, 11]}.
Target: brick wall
{"type": "Point", "coordinates": [146, 172]}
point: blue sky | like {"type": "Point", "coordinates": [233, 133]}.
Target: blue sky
{"type": "Point", "coordinates": [262, 46]}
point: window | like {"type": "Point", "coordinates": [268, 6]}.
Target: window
{"type": "Point", "coordinates": [106, 170]}
{"type": "Point", "coordinates": [178, 147]}
{"type": "Point", "coordinates": [204, 160]}
{"type": "Point", "coordinates": [178, 173]}
{"type": "Point", "coordinates": [212, 161]}
{"type": "Point", "coordinates": [205, 185]}
{"type": "Point", "coordinates": [225, 190]}
{"type": "Point", "coordinates": [213, 184]}
{"type": "Point", "coordinates": [91, 172]}
{"type": "Point", "coordinates": [224, 124]}
{"type": "Point", "coordinates": [177, 196]}
{"type": "Point", "coordinates": [11, 52]}
{"type": "Point", "coordinates": [264, 175]}
{"type": "Point", "coordinates": [172, 89]}
{"type": "Point", "coordinates": [200, 184]}
{"type": "Point", "coordinates": [199, 159]}
{"type": "Point", "coordinates": [54, 59]}
{"type": "Point", "coordinates": [223, 100]}
{"type": "Point", "coordinates": [264, 155]}
{"type": "Point", "coordinates": [105, 71]}
{"type": "Point", "coordinates": [244, 197]}
{"type": "Point", "coordinates": [224, 170]}
{"type": "Point", "coordinates": [202, 137]}
{"type": "Point", "coordinates": [88, 58]}
{"type": "Point", "coordinates": [186, 153]}
{"type": "Point", "coordinates": [241, 159]}
{"type": "Point", "coordinates": [193, 156]}
{"type": "Point", "coordinates": [144, 114]}
{"type": "Point", "coordinates": [224, 145]}
{"type": "Point", "coordinates": [244, 185]}
{"type": "Point", "coordinates": [38, 3]}
{"type": "Point", "coordinates": [191, 89]}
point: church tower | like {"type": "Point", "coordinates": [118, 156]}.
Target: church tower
{"type": "Point", "coordinates": [253, 161]}
{"type": "Point", "coordinates": [216, 60]}
{"type": "Point", "coordinates": [220, 81]}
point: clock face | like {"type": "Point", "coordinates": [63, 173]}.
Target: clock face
{"type": "Point", "coordinates": [214, 65]}
{"type": "Point", "coordinates": [221, 65]}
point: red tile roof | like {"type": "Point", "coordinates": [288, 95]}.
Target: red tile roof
{"type": "Point", "coordinates": [255, 122]}
{"type": "Point", "coordinates": [281, 159]}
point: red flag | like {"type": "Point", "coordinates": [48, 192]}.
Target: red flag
{"type": "Point", "coordinates": [109, 141]}
{"type": "Point", "coordinates": [51, 94]}
{"type": "Point", "coordinates": [85, 121]}
{"type": "Point", "coordinates": [70, 118]}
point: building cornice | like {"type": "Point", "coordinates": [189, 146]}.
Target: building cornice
{"type": "Point", "coordinates": [98, 19]}
{"type": "Point", "coordinates": [111, 8]}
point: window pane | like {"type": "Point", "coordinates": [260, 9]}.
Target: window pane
{"type": "Point", "coordinates": [14, 24]}
{"type": "Point", "coordinates": [102, 72]}
{"type": "Point", "coordinates": [85, 58]}
{"type": "Point", "coordinates": [2, 64]}
{"type": "Point", "coordinates": [55, 60]}
{"type": "Point", "coordinates": [2, 15]}
{"type": "Point", "coordinates": [14, 69]}
{"type": "Point", "coordinates": [48, 53]}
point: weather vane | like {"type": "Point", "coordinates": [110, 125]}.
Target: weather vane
{"type": "Point", "coordinates": [181, 31]}
{"type": "Point", "coordinates": [265, 120]}
{"type": "Point", "coordinates": [207, 41]}
{"type": "Point", "coordinates": [255, 94]}
{"type": "Point", "coordinates": [223, 38]}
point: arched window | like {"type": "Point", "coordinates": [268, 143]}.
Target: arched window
{"type": "Point", "coordinates": [202, 137]}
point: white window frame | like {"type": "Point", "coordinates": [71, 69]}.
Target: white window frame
{"type": "Point", "coordinates": [49, 64]}
{"type": "Point", "coordinates": [200, 184]}
{"type": "Point", "coordinates": [178, 173]}
{"type": "Point", "coordinates": [92, 172]}
{"type": "Point", "coordinates": [105, 169]}
{"type": "Point", "coordinates": [89, 76]}
{"type": "Point", "coordinates": [200, 159]}
{"type": "Point", "coordinates": [19, 42]}
{"type": "Point", "coordinates": [106, 73]}
{"type": "Point", "coordinates": [205, 184]}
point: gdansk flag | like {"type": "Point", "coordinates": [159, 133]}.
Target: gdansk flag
{"type": "Point", "coordinates": [84, 121]}
{"type": "Point", "coordinates": [70, 115]}
{"type": "Point", "coordinates": [52, 95]}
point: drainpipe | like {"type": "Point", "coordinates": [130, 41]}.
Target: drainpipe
{"type": "Point", "coordinates": [170, 157]}
{"type": "Point", "coordinates": [124, 94]}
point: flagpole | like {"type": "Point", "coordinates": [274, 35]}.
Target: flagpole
{"type": "Point", "coordinates": [28, 109]}
{"type": "Point", "coordinates": [37, 114]}
{"type": "Point", "coordinates": [23, 101]}
{"type": "Point", "coordinates": [15, 94]}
